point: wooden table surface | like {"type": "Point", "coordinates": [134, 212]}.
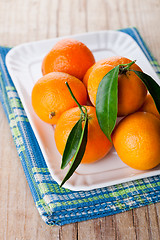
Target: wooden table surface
{"type": "Point", "coordinates": [30, 20]}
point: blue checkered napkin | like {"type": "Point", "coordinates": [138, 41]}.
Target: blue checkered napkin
{"type": "Point", "coordinates": [61, 206]}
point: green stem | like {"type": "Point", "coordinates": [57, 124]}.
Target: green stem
{"type": "Point", "coordinates": [123, 68]}
{"type": "Point", "coordinates": [85, 113]}
{"type": "Point", "coordinates": [80, 107]}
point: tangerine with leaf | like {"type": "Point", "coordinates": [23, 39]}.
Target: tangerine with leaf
{"type": "Point", "coordinates": [97, 143]}
{"type": "Point", "coordinates": [79, 138]}
{"type": "Point", "coordinates": [131, 90]}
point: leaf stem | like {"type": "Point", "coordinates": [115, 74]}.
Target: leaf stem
{"type": "Point", "coordinates": [123, 68]}
{"type": "Point", "coordinates": [80, 107]}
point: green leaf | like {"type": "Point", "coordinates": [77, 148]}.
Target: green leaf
{"type": "Point", "coordinates": [72, 143]}
{"type": "Point", "coordinates": [152, 86]}
{"type": "Point", "coordinates": [80, 151]}
{"type": "Point", "coordinates": [107, 102]}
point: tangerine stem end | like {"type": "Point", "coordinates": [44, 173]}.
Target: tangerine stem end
{"type": "Point", "coordinates": [51, 115]}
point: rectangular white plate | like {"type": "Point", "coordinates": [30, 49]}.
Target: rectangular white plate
{"type": "Point", "coordinates": [24, 65]}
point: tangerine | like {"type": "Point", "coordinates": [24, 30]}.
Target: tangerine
{"type": "Point", "coordinates": [98, 144]}
{"type": "Point", "coordinates": [69, 56]}
{"type": "Point", "coordinates": [131, 90]}
{"type": "Point", "coordinates": [137, 140]}
{"type": "Point", "coordinates": [50, 95]}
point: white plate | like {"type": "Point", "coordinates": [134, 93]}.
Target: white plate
{"type": "Point", "coordinates": [24, 65]}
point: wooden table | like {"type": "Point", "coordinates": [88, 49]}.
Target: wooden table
{"type": "Point", "coordinates": [30, 20]}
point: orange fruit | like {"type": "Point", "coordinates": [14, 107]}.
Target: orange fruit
{"type": "Point", "coordinates": [149, 106]}
{"type": "Point", "coordinates": [51, 97]}
{"type": "Point", "coordinates": [137, 140]}
{"type": "Point", "coordinates": [69, 56]}
{"type": "Point", "coordinates": [131, 90]}
{"type": "Point", "coordinates": [97, 143]}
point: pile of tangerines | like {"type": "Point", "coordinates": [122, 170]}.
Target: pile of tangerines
{"type": "Point", "coordinates": [136, 137]}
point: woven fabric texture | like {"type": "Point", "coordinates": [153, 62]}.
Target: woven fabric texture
{"type": "Point", "coordinates": [59, 206]}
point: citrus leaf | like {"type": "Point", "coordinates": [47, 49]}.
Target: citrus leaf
{"type": "Point", "coordinates": [72, 143]}
{"type": "Point", "coordinates": [79, 153]}
{"type": "Point", "coordinates": [107, 101]}
{"type": "Point", "coordinates": [152, 86]}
